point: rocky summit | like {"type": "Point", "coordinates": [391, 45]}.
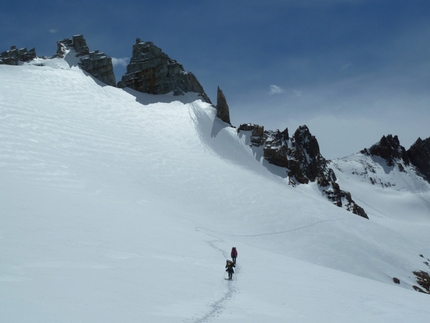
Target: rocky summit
{"type": "Point", "coordinates": [14, 56]}
{"type": "Point", "coordinates": [394, 154]}
{"type": "Point", "coordinates": [96, 63]}
{"type": "Point", "coordinates": [152, 71]}
{"type": "Point", "coordinates": [388, 148]}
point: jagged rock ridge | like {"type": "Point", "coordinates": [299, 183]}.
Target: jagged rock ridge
{"type": "Point", "coordinates": [96, 63]}
{"type": "Point", "coordinates": [14, 56]}
{"type": "Point", "coordinates": [152, 71]}
{"type": "Point", "coordinates": [301, 157]}
{"type": "Point", "coordinates": [394, 154]}
{"type": "Point", "coordinates": [388, 148]}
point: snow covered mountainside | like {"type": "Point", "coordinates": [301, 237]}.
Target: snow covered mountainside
{"type": "Point", "coordinates": [122, 206]}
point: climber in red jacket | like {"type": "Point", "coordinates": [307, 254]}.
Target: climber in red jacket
{"type": "Point", "coordinates": [233, 254]}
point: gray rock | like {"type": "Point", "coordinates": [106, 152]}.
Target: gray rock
{"type": "Point", "coordinates": [223, 111]}
{"type": "Point", "coordinates": [152, 71]}
{"type": "Point", "coordinates": [14, 56]}
{"type": "Point", "coordinates": [258, 135]}
{"type": "Point", "coordinates": [96, 63]}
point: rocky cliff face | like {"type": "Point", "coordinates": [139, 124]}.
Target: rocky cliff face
{"type": "Point", "coordinates": [152, 71]}
{"type": "Point", "coordinates": [300, 156]}
{"type": "Point", "coordinates": [96, 63]}
{"type": "Point", "coordinates": [14, 56]}
{"type": "Point", "coordinates": [419, 156]}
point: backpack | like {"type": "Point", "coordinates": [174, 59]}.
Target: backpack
{"type": "Point", "coordinates": [234, 252]}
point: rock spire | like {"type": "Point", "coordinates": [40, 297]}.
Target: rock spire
{"type": "Point", "coordinates": [223, 111]}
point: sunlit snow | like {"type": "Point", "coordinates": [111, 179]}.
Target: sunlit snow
{"type": "Point", "coordinates": [122, 207]}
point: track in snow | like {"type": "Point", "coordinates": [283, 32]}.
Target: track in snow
{"type": "Point", "coordinates": [216, 308]}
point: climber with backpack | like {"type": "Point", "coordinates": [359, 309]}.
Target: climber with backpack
{"type": "Point", "coordinates": [233, 254]}
{"type": "Point", "coordinates": [229, 268]}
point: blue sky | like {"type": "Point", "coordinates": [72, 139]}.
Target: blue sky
{"type": "Point", "coordinates": [352, 70]}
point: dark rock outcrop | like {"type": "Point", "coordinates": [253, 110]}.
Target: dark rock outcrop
{"type": "Point", "coordinates": [312, 166]}
{"type": "Point", "coordinates": [300, 155]}
{"type": "Point", "coordinates": [307, 153]}
{"type": "Point", "coordinates": [96, 63]}
{"type": "Point", "coordinates": [14, 56]}
{"type": "Point", "coordinates": [341, 198]}
{"type": "Point", "coordinates": [258, 135]}
{"type": "Point", "coordinates": [275, 149]}
{"type": "Point", "coordinates": [388, 148]}
{"type": "Point", "coordinates": [152, 71]}
{"type": "Point", "coordinates": [223, 111]}
{"type": "Point", "coordinates": [419, 156]}
{"type": "Point", "coordinates": [423, 280]}
{"type": "Point", "coordinates": [77, 43]}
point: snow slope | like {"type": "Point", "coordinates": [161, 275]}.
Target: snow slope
{"type": "Point", "coordinates": [399, 198]}
{"type": "Point", "coordinates": [118, 208]}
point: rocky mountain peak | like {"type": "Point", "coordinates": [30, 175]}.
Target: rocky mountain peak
{"type": "Point", "coordinates": [96, 63]}
{"type": "Point", "coordinates": [149, 71]}
{"type": "Point", "coordinates": [307, 152]}
{"type": "Point", "coordinates": [393, 153]}
{"type": "Point", "coordinates": [300, 156]}
{"type": "Point", "coordinates": [387, 161]}
{"type": "Point", "coordinates": [152, 71]}
{"type": "Point", "coordinates": [388, 148]}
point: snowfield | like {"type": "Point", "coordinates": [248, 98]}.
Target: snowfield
{"type": "Point", "coordinates": [118, 206]}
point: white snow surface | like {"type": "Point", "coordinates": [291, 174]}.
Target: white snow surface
{"type": "Point", "coordinates": [117, 206]}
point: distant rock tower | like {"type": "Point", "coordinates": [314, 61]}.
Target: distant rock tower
{"type": "Point", "coordinates": [96, 63]}
{"type": "Point", "coordinates": [152, 71]}
{"type": "Point", "coordinates": [223, 111]}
